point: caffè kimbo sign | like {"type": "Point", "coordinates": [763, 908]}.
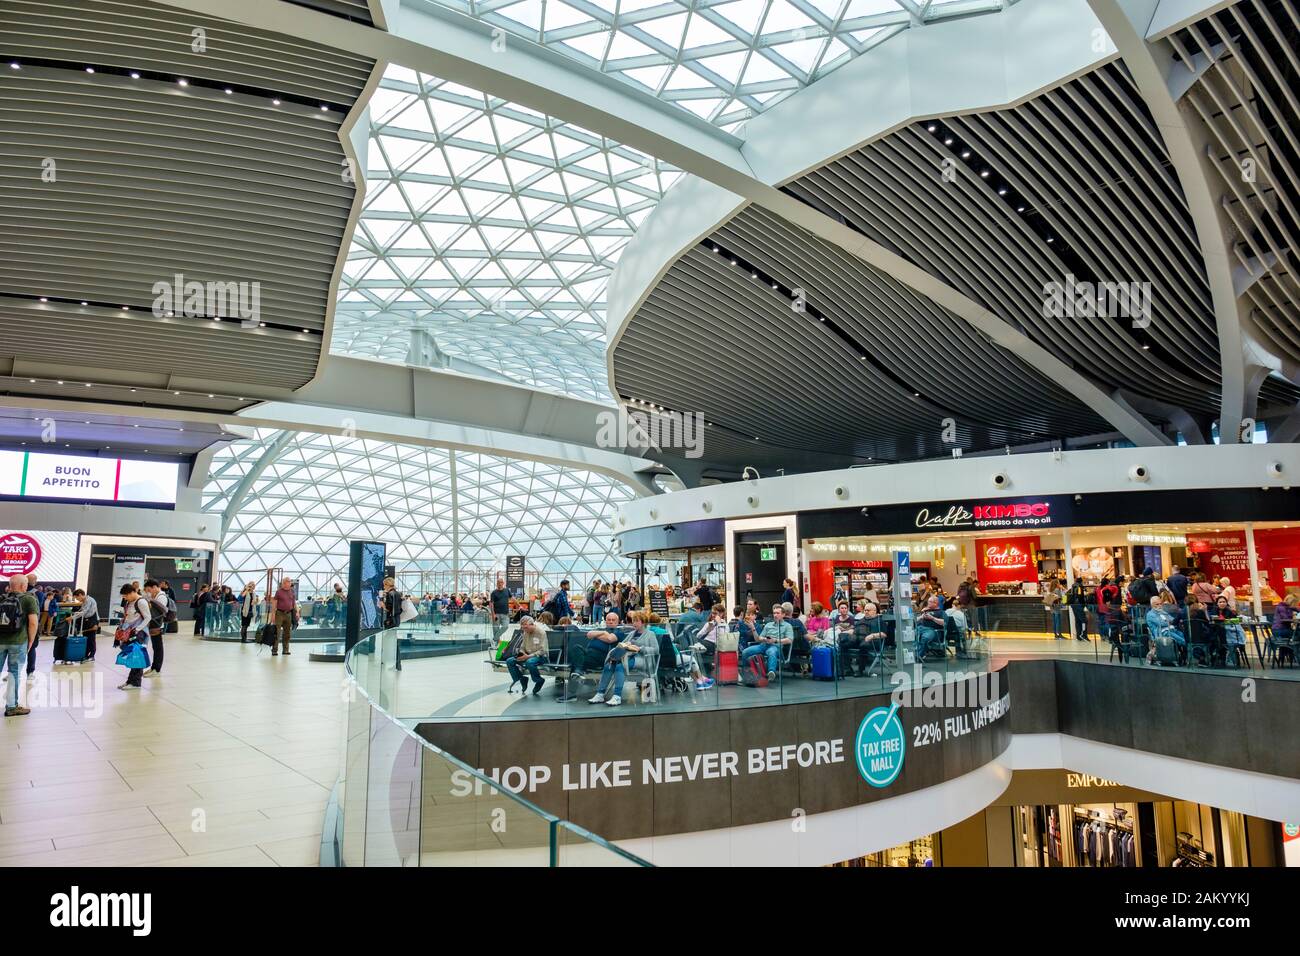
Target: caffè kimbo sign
{"type": "Point", "coordinates": [1021, 514]}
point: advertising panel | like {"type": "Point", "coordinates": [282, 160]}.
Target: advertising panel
{"type": "Point", "coordinates": [51, 555]}
{"type": "Point", "coordinates": [1007, 559]}
{"type": "Point", "coordinates": [36, 475]}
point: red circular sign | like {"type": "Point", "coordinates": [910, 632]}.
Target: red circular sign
{"type": "Point", "coordinates": [19, 554]}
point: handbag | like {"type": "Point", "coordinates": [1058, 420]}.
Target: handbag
{"type": "Point", "coordinates": [133, 655]}
{"type": "Point", "coordinates": [409, 613]}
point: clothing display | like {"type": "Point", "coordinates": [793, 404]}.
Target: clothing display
{"type": "Point", "coordinates": [1102, 840]}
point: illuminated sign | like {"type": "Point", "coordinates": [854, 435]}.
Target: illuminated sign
{"type": "Point", "coordinates": [1008, 556]}
{"type": "Point", "coordinates": [19, 554]}
{"type": "Point", "coordinates": [1153, 537]}
{"type": "Point", "coordinates": [51, 555]}
{"type": "Point", "coordinates": [26, 474]}
{"type": "Point", "coordinates": [1020, 514]}
{"type": "Point", "coordinates": [767, 554]}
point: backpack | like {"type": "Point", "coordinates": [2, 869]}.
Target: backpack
{"type": "Point", "coordinates": [11, 611]}
{"type": "Point", "coordinates": [157, 616]}
{"type": "Point", "coordinates": [753, 673]}
{"type": "Point", "coordinates": [552, 607]}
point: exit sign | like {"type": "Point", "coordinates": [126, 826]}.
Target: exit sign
{"type": "Point", "coordinates": [767, 554]}
{"type": "Point", "coordinates": [184, 565]}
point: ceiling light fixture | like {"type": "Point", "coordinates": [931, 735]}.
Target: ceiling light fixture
{"type": "Point", "coordinates": [275, 102]}
{"type": "Point", "coordinates": [229, 91]}
{"type": "Point", "coordinates": [931, 128]}
{"type": "Point", "coordinates": [90, 69]}
{"type": "Point", "coordinates": [183, 82]}
{"type": "Point", "coordinates": [15, 65]}
{"type": "Point", "coordinates": [43, 299]}
{"type": "Point", "coordinates": [135, 76]}
{"type": "Point", "coordinates": [948, 141]}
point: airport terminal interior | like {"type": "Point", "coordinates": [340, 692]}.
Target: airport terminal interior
{"type": "Point", "coordinates": [650, 433]}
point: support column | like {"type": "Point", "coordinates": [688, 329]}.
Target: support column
{"type": "Point", "coordinates": [455, 522]}
{"type": "Point", "coordinates": [1066, 543]}
{"type": "Point", "coordinates": [1251, 561]}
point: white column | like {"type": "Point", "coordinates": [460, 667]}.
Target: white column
{"type": "Point", "coordinates": [1069, 576]}
{"type": "Point", "coordinates": [1251, 561]}
{"type": "Point", "coordinates": [455, 522]}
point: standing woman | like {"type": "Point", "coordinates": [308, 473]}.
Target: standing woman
{"type": "Point", "coordinates": [247, 606]}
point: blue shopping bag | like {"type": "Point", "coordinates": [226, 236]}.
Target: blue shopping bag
{"type": "Point", "coordinates": [133, 655]}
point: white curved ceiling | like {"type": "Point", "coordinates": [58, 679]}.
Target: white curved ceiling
{"type": "Point", "coordinates": [494, 229]}
{"type": "Point", "coordinates": [724, 60]}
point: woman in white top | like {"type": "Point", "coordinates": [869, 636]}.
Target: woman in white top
{"type": "Point", "coordinates": [248, 601]}
{"type": "Point", "coordinates": [133, 629]}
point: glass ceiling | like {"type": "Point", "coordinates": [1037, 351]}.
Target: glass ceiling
{"type": "Point", "coordinates": [492, 228]}
{"type": "Point", "coordinates": [323, 491]}
{"type": "Point", "coordinates": [724, 60]}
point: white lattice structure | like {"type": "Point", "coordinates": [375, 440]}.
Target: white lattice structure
{"type": "Point", "coordinates": [433, 512]}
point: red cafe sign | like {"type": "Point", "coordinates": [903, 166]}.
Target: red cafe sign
{"type": "Point", "coordinates": [19, 554]}
{"type": "Point", "coordinates": [960, 516]}
{"type": "Point", "coordinates": [1005, 556]}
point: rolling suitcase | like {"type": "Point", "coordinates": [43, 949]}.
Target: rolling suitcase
{"type": "Point", "coordinates": [70, 650]}
{"type": "Point", "coordinates": [823, 663]}
{"type": "Point", "coordinates": [754, 672]}
{"type": "Point", "coordinates": [267, 635]}
{"type": "Point", "coordinates": [726, 667]}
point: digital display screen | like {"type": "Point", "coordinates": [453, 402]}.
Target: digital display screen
{"type": "Point", "coordinates": [373, 557]}
{"type": "Point", "coordinates": [31, 474]}
{"type": "Point", "coordinates": [50, 555]}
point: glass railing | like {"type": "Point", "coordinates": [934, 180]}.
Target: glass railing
{"type": "Point", "coordinates": [404, 802]}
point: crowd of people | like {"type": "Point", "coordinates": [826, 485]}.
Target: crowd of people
{"type": "Point", "coordinates": [1199, 613]}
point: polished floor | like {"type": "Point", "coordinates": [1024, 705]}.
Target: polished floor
{"type": "Point", "coordinates": [227, 758]}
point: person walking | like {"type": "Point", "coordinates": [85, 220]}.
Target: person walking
{"type": "Point", "coordinates": [20, 620]}
{"type": "Point", "coordinates": [247, 607]}
{"type": "Point", "coordinates": [286, 614]}
{"type": "Point", "coordinates": [197, 604]}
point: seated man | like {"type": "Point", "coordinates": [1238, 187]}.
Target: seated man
{"type": "Point", "coordinates": [930, 628]}
{"type": "Point", "coordinates": [692, 618]}
{"type": "Point", "coordinates": [1160, 623]}
{"type": "Point", "coordinates": [777, 633]}
{"type": "Point", "coordinates": [801, 645]}
{"type": "Point", "coordinates": [533, 650]}
{"type": "Point", "coordinates": [600, 642]}
{"type": "Point", "coordinates": [849, 640]}
{"type": "Point", "coordinates": [616, 662]}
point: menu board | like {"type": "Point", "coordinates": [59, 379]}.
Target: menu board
{"type": "Point", "coordinates": [659, 602]}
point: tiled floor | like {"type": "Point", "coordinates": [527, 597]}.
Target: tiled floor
{"type": "Point", "coordinates": [228, 758]}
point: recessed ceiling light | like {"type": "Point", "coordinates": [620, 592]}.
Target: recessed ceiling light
{"type": "Point", "coordinates": [60, 381]}
{"type": "Point", "coordinates": [135, 76]}
{"type": "Point", "coordinates": [210, 396]}
{"type": "Point", "coordinates": [276, 102]}
{"type": "Point", "coordinates": [984, 174]}
{"type": "Point", "coordinates": [132, 391]}
{"type": "Point", "coordinates": [183, 82]}
{"type": "Point", "coordinates": [126, 308]}
{"type": "Point", "coordinates": [965, 154]}
{"type": "Point", "coordinates": [31, 381]}
{"type": "Point", "coordinates": [1020, 209]}
{"type": "Point", "coordinates": [1002, 192]}
{"type": "Point", "coordinates": [85, 303]}
{"type": "Point", "coordinates": [175, 393]}
{"type": "Point", "coordinates": [229, 91]}
{"type": "Point", "coordinates": [1051, 239]}
{"type": "Point", "coordinates": [90, 69]}
{"type": "Point", "coordinates": [87, 385]}
{"type": "Point", "coordinates": [15, 65]}
{"type": "Point", "coordinates": [262, 324]}
{"type": "Point", "coordinates": [931, 128]}
{"type": "Point", "coordinates": [948, 141]}
{"type": "Point", "coordinates": [324, 108]}
{"type": "Point", "coordinates": [43, 299]}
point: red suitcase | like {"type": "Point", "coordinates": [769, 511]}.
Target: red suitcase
{"type": "Point", "coordinates": [726, 667]}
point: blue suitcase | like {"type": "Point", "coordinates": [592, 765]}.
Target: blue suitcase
{"type": "Point", "coordinates": [823, 663]}
{"type": "Point", "coordinates": [72, 649]}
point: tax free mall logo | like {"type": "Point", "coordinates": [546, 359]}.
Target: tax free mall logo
{"type": "Point", "coordinates": [880, 746]}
